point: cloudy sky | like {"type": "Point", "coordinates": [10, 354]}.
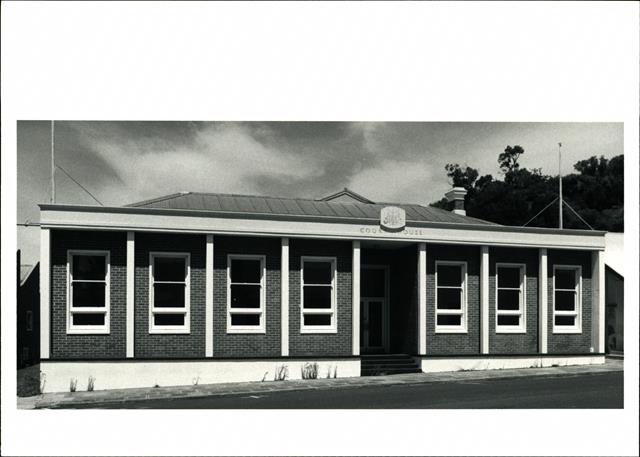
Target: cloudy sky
{"type": "Point", "coordinates": [123, 162]}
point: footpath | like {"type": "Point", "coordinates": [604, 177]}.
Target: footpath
{"type": "Point", "coordinates": [102, 397]}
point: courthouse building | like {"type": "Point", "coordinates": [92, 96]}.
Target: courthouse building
{"type": "Point", "coordinates": [204, 288]}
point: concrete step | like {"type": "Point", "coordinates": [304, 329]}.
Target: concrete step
{"type": "Point", "coordinates": [387, 371]}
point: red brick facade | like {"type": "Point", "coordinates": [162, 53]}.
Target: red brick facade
{"type": "Point", "coordinates": [404, 300]}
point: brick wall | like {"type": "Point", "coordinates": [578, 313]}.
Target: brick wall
{"type": "Point", "coordinates": [247, 344]}
{"type": "Point", "coordinates": [454, 343]}
{"type": "Point", "coordinates": [571, 343]}
{"type": "Point", "coordinates": [163, 346]}
{"type": "Point", "coordinates": [321, 344]}
{"type": "Point", "coordinates": [109, 346]}
{"type": "Point", "coordinates": [505, 343]}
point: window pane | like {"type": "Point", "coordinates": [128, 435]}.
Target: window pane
{"type": "Point", "coordinates": [245, 270]}
{"type": "Point", "coordinates": [88, 293]}
{"type": "Point", "coordinates": [508, 320]}
{"type": "Point", "coordinates": [565, 320]}
{"type": "Point", "coordinates": [89, 266]}
{"type": "Point", "coordinates": [245, 296]}
{"type": "Point", "coordinates": [565, 301]}
{"type": "Point", "coordinates": [317, 319]}
{"type": "Point", "coordinates": [372, 282]}
{"type": "Point", "coordinates": [445, 319]}
{"type": "Point", "coordinates": [169, 295]}
{"type": "Point", "coordinates": [565, 279]}
{"type": "Point", "coordinates": [245, 319]}
{"type": "Point", "coordinates": [508, 277]}
{"type": "Point", "coordinates": [169, 269]}
{"type": "Point", "coordinates": [509, 299]}
{"type": "Point", "coordinates": [168, 319]}
{"type": "Point", "coordinates": [317, 272]}
{"type": "Point", "coordinates": [317, 297]}
{"type": "Point", "coordinates": [449, 299]}
{"type": "Point", "coordinates": [449, 275]}
{"type": "Point", "coordinates": [88, 319]}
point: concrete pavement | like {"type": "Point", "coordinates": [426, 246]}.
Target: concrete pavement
{"type": "Point", "coordinates": [113, 397]}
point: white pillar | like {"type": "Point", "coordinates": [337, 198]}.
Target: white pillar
{"type": "Point", "coordinates": [484, 299]}
{"type": "Point", "coordinates": [284, 296]}
{"type": "Point", "coordinates": [355, 298]}
{"type": "Point", "coordinates": [131, 273]}
{"type": "Point", "coordinates": [598, 302]}
{"type": "Point", "coordinates": [208, 303]}
{"type": "Point", "coordinates": [422, 298]}
{"type": "Point", "coordinates": [543, 307]}
{"type": "Point", "coordinates": [45, 291]}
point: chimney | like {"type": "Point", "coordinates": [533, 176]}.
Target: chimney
{"type": "Point", "coordinates": [457, 195]}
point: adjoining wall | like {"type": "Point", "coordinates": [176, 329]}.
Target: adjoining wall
{"type": "Point", "coordinates": [108, 346]}
{"type": "Point", "coordinates": [321, 344]}
{"type": "Point", "coordinates": [571, 343]}
{"type": "Point", "coordinates": [246, 344]}
{"type": "Point", "coordinates": [57, 376]}
{"type": "Point", "coordinates": [454, 343]}
{"type": "Point", "coordinates": [515, 343]}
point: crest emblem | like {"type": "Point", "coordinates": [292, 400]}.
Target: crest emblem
{"type": "Point", "coordinates": [392, 218]}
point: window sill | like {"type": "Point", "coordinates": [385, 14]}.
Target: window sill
{"type": "Point", "coordinates": [570, 331]}
{"type": "Point", "coordinates": [506, 331]}
{"type": "Point", "coordinates": [250, 331]}
{"type": "Point", "coordinates": [452, 330]}
{"type": "Point", "coordinates": [308, 330]}
{"type": "Point", "coordinates": [169, 331]}
{"type": "Point", "coordinates": [78, 331]}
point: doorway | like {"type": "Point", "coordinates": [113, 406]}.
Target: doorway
{"type": "Point", "coordinates": [374, 309]}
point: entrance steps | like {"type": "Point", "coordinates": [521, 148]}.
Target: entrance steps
{"type": "Point", "coordinates": [384, 364]}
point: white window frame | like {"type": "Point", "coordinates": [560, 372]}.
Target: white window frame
{"type": "Point", "coordinates": [170, 329]}
{"type": "Point", "coordinates": [577, 327]}
{"type": "Point", "coordinates": [261, 328]}
{"type": "Point", "coordinates": [333, 311]}
{"type": "Point", "coordinates": [462, 328]}
{"type": "Point", "coordinates": [71, 310]}
{"type": "Point", "coordinates": [522, 310]}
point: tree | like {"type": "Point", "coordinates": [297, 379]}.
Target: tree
{"type": "Point", "coordinates": [596, 192]}
{"type": "Point", "coordinates": [508, 160]}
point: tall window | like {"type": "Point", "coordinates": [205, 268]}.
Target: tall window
{"type": "Point", "coordinates": [510, 298]}
{"type": "Point", "coordinates": [88, 292]}
{"type": "Point", "coordinates": [246, 294]}
{"type": "Point", "coordinates": [567, 299]}
{"type": "Point", "coordinates": [451, 297]}
{"type": "Point", "coordinates": [169, 292]}
{"type": "Point", "coordinates": [318, 295]}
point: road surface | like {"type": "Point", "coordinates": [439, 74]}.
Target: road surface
{"type": "Point", "coordinates": [593, 390]}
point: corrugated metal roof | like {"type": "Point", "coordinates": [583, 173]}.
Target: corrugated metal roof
{"type": "Point", "coordinates": [299, 206]}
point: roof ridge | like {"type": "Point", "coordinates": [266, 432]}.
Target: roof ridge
{"type": "Point", "coordinates": [159, 199]}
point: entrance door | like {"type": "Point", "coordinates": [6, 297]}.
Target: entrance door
{"type": "Point", "coordinates": [374, 309]}
{"type": "Point", "coordinates": [372, 312]}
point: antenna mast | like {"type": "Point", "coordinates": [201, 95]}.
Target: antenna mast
{"type": "Point", "coordinates": [560, 183]}
{"type": "Point", "coordinates": [53, 164]}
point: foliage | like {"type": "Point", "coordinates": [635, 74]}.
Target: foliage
{"type": "Point", "coordinates": [73, 383]}
{"type": "Point", "coordinates": [91, 383]}
{"type": "Point", "coordinates": [596, 192]}
{"type": "Point", "coordinates": [310, 371]}
{"type": "Point", "coordinates": [281, 373]}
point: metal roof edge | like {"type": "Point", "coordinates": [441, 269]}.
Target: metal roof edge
{"type": "Point", "coordinates": [311, 218]}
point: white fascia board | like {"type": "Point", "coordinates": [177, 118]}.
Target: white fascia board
{"type": "Point", "coordinates": [124, 218]}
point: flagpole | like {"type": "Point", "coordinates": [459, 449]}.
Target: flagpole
{"type": "Point", "coordinates": [53, 164]}
{"type": "Point", "coordinates": [560, 182]}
